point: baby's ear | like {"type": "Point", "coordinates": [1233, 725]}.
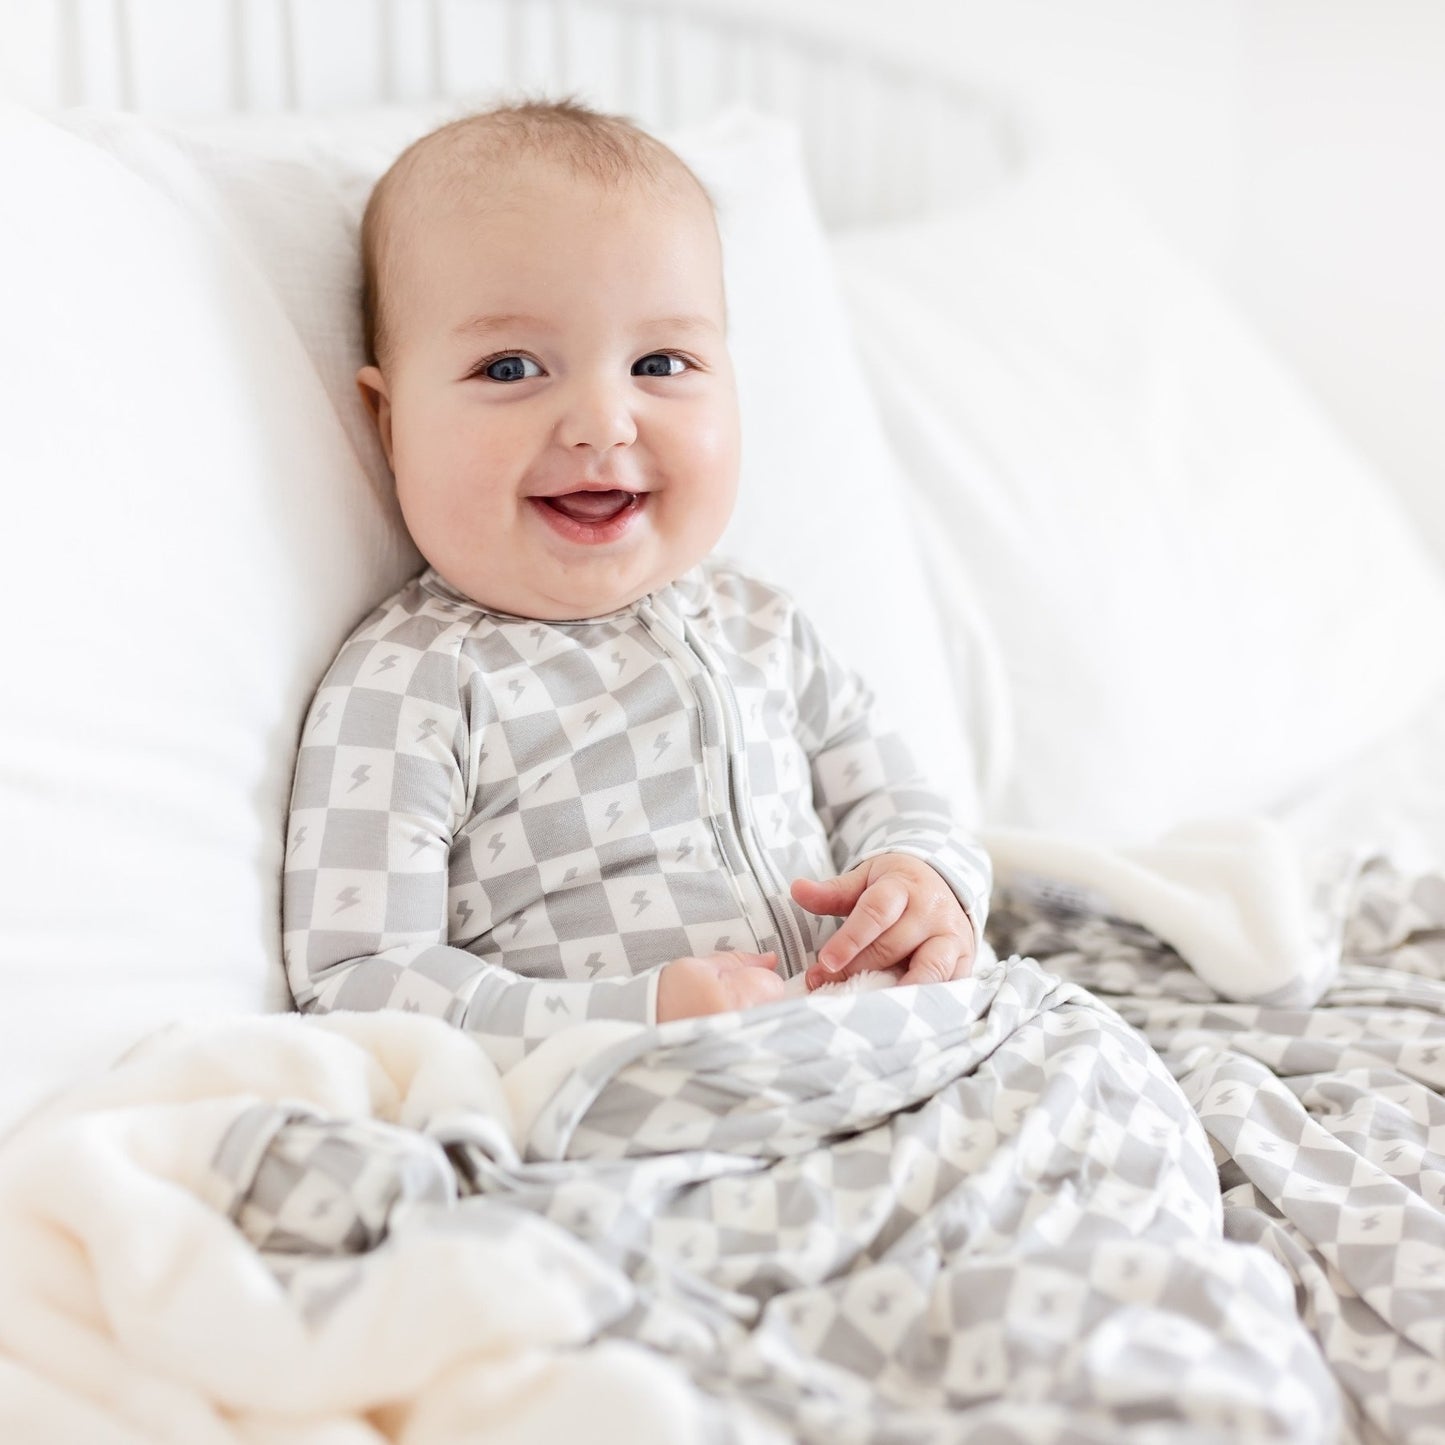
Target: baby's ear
{"type": "Point", "coordinates": [372, 386]}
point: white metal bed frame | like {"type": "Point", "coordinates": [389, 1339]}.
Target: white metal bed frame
{"type": "Point", "coordinates": [884, 138]}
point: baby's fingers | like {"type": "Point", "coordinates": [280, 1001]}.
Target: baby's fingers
{"type": "Point", "coordinates": [936, 960]}
{"type": "Point", "coordinates": [879, 907]}
{"type": "Point", "coordinates": [752, 980]}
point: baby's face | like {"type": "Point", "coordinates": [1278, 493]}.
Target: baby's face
{"type": "Point", "coordinates": [559, 407]}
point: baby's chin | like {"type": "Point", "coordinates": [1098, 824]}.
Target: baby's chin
{"type": "Point", "coordinates": [558, 583]}
{"type": "Point", "coordinates": [558, 602]}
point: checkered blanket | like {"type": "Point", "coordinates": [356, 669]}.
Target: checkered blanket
{"type": "Point", "coordinates": [1327, 1121]}
{"type": "Point", "coordinates": [987, 1209]}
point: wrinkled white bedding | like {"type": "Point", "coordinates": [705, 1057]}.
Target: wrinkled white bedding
{"type": "Point", "coordinates": [1389, 799]}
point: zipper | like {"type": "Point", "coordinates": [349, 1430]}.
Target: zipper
{"type": "Point", "coordinates": [712, 686]}
{"type": "Point", "coordinates": [789, 934]}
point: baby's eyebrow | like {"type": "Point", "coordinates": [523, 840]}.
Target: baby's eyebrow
{"type": "Point", "coordinates": [683, 323]}
{"type": "Point", "coordinates": [516, 321]}
{"type": "Point", "coordinates": [480, 325]}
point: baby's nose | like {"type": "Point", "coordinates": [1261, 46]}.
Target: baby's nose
{"type": "Point", "coordinates": [597, 414]}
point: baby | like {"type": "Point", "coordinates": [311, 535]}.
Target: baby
{"type": "Point", "coordinates": [573, 770]}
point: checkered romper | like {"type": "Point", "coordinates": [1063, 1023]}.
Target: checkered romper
{"type": "Point", "coordinates": [511, 824]}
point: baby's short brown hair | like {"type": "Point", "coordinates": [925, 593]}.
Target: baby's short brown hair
{"type": "Point", "coordinates": [595, 146]}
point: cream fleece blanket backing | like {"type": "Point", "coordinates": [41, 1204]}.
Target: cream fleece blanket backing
{"type": "Point", "coordinates": [136, 1312]}
{"type": "Point", "coordinates": [1258, 920]}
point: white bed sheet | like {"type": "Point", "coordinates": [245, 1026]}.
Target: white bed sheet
{"type": "Point", "coordinates": [1391, 796]}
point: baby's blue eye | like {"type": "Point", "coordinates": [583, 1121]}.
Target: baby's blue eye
{"type": "Point", "coordinates": [658, 363]}
{"type": "Point", "coordinates": [511, 368]}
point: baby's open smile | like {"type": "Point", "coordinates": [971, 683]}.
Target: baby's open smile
{"type": "Point", "coordinates": [592, 516]}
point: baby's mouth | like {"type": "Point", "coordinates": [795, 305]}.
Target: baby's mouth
{"type": "Point", "coordinates": [592, 507]}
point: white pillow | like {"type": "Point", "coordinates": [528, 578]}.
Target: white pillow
{"type": "Point", "coordinates": [199, 514]}
{"type": "Point", "coordinates": [1203, 598]}
{"type": "Point", "coordinates": [187, 536]}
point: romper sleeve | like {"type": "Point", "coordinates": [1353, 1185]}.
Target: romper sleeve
{"type": "Point", "coordinates": [381, 789]}
{"type": "Point", "coordinates": [869, 793]}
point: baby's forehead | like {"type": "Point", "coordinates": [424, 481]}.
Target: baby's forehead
{"type": "Point", "coordinates": [488, 163]}
{"type": "Point", "coordinates": [522, 186]}
{"type": "Point", "coordinates": [540, 200]}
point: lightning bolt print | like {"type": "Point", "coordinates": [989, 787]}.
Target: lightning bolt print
{"type": "Point", "coordinates": [593, 963]}
{"type": "Point", "coordinates": [321, 714]}
{"type": "Point", "coordinates": [620, 662]}
{"type": "Point", "coordinates": [387, 663]}
{"type": "Point", "coordinates": [557, 1005]}
{"type": "Point", "coordinates": [516, 687]}
{"type": "Point", "coordinates": [464, 912]}
{"type": "Point", "coordinates": [346, 899]}
{"type": "Point", "coordinates": [299, 837]}
{"type": "Point", "coordinates": [641, 902]}
{"type": "Point", "coordinates": [662, 744]}
{"type": "Point", "coordinates": [591, 719]}
{"type": "Point", "coordinates": [418, 842]}
{"type": "Point", "coordinates": [427, 729]}
{"type": "Point", "coordinates": [614, 811]}
{"type": "Point", "coordinates": [496, 845]}
{"type": "Point", "coordinates": [683, 849]}
{"type": "Point", "coordinates": [360, 774]}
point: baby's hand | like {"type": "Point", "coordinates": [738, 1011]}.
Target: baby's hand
{"type": "Point", "coordinates": [716, 983]}
{"type": "Point", "coordinates": [896, 909]}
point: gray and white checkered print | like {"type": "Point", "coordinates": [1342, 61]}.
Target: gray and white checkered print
{"type": "Point", "coordinates": [985, 1210]}
{"type": "Point", "coordinates": [1328, 1123]}
{"type": "Point", "coordinates": [511, 824]}
{"type": "Point", "coordinates": [978, 1210]}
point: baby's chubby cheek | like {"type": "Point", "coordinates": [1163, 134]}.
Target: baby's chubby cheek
{"type": "Point", "coordinates": [708, 476]}
{"type": "Point", "coordinates": [700, 514]}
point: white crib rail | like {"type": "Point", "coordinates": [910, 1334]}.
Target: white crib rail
{"type": "Point", "coordinates": [884, 139]}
